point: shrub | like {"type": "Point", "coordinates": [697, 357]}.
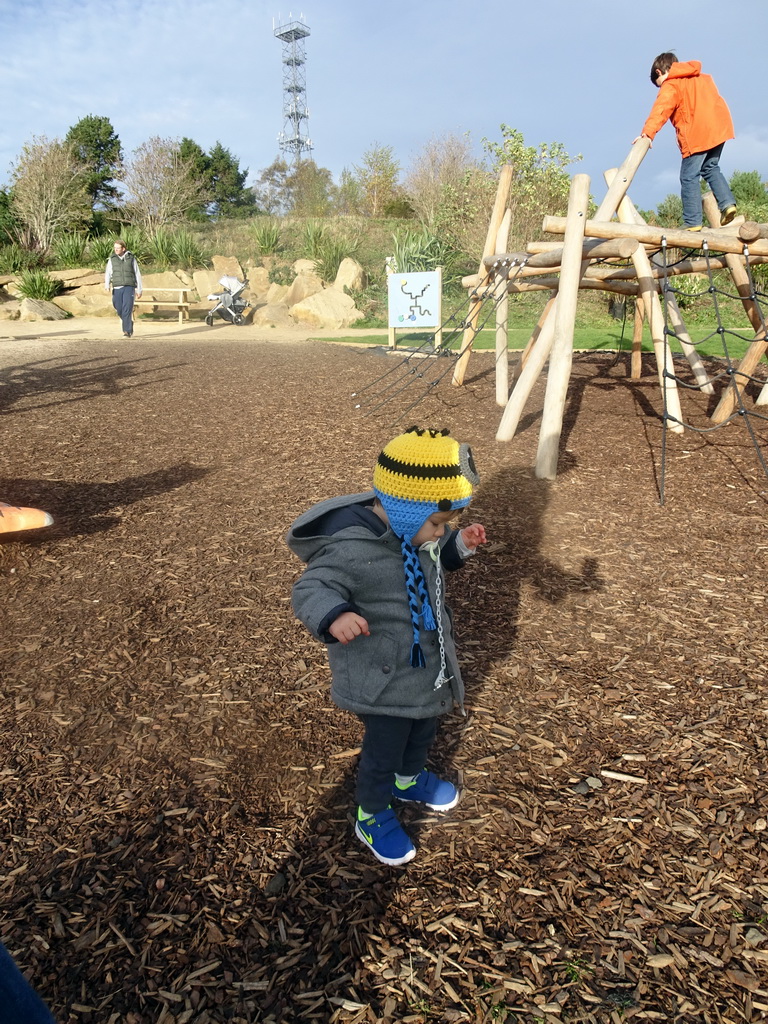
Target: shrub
{"type": "Point", "coordinates": [416, 251]}
{"type": "Point", "coordinates": [69, 249]}
{"type": "Point", "coordinates": [266, 234]}
{"type": "Point", "coordinates": [161, 248]}
{"type": "Point", "coordinates": [38, 284]}
{"type": "Point", "coordinates": [331, 251]}
{"type": "Point", "coordinates": [14, 259]}
{"type": "Point", "coordinates": [99, 251]}
{"type": "Point", "coordinates": [313, 235]}
{"type": "Point", "coordinates": [187, 252]}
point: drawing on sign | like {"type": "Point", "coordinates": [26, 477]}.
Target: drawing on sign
{"type": "Point", "coordinates": [414, 299]}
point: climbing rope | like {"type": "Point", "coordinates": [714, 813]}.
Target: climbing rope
{"type": "Point", "coordinates": [731, 372]}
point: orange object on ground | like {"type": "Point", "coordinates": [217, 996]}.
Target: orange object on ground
{"type": "Point", "coordinates": [14, 518]}
{"type": "Point", "coordinates": [698, 112]}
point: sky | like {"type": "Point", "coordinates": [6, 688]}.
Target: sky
{"type": "Point", "coordinates": [396, 73]}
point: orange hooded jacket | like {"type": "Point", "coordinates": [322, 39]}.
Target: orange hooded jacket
{"type": "Point", "coordinates": [698, 112]}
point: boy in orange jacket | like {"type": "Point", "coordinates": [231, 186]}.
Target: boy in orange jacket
{"type": "Point", "coordinates": [703, 124]}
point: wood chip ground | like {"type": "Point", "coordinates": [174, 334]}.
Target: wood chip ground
{"type": "Point", "coordinates": [177, 787]}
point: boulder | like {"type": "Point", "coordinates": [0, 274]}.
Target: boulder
{"type": "Point", "coordinates": [304, 284]}
{"type": "Point", "coordinates": [206, 283]}
{"type": "Point", "coordinates": [76, 278]}
{"type": "Point", "coordinates": [304, 267]}
{"type": "Point", "coordinates": [96, 304]}
{"type": "Point", "coordinates": [329, 308]}
{"type": "Point", "coordinates": [258, 280]}
{"type": "Point", "coordinates": [276, 293]}
{"type": "Point", "coordinates": [38, 309]}
{"type": "Point", "coordinates": [350, 275]}
{"type": "Point", "coordinates": [227, 265]}
{"type": "Point", "coordinates": [272, 315]}
{"type": "Point", "coordinates": [9, 310]}
{"type": "Point", "coordinates": [167, 279]}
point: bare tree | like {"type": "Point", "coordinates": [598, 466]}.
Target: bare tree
{"type": "Point", "coordinates": [160, 184]}
{"type": "Point", "coordinates": [49, 190]}
{"type": "Point", "coordinates": [436, 176]}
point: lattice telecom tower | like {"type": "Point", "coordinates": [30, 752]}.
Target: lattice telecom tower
{"type": "Point", "coordinates": [295, 111]}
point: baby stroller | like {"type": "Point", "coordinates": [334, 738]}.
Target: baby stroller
{"type": "Point", "coordinates": [229, 302]}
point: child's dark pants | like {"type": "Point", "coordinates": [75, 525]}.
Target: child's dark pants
{"type": "Point", "coordinates": [390, 745]}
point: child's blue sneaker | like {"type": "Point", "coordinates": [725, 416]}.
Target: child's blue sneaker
{"type": "Point", "coordinates": [385, 837]}
{"type": "Point", "coordinates": [426, 788]}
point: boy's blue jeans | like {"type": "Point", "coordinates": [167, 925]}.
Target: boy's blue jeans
{"type": "Point", "coordinates": [707, 166]}
{"type": "Point", "coordinates": [390, 745]}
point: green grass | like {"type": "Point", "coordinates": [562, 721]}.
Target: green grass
{"type": "Point", "coordinates": [585, 339]}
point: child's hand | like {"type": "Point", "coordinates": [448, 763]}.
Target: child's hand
{"type": "Point", "coordinates": [650, 143]}
{"type": "Point", "coordinates": [348, 626]}
{"type": "Point", "coordinates": [474, 535]}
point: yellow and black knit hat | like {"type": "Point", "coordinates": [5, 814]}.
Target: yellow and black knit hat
{"type": "Point", "coordinates": [421, 472]}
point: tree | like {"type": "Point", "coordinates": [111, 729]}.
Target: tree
{"type": "Point", "coordinates": [271, 191]}
{"type": "Point", "coordinates": [226, 184]}
{"type": "Point", "coordinates": [347, 197]}
{"type": "Point", "coordinates": [540, 181]}
{"type": "Point", "coordinates": [49, 190]}
{"type": "Point", "coordinates": [749, 191]}
{"type": "Point", "coordinates": [310, 189]}
{"type": "Point", "coordinates": [437, 176]}
{"type": "Point", "coordinates": [377, 176]}
{"type": "Point", "coordinates": [160, 183]}
{"type": "Point", "coordinates": [8, 219]}
{"type": "Point", "coordinates": [96, 146]}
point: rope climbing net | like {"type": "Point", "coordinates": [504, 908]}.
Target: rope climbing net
{"type": "Point", "coordinates": [735, 379]}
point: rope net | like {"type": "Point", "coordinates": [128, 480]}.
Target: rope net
{"type": "Point", "coordinates": [736, 379]}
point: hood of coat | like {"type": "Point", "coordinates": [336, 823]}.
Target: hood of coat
{"type": "Point", "coordinates": [309, 534]}
{"type": "Point", "coordinates": [685, 69]}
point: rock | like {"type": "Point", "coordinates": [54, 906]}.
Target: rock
{"type": "Point", "coordinates": [97, 303]}
{"type": "Point", "coordinates": [38, 309]}
{"type": "Point", "coordinates": [9, 310]}
{"type": "Point", "coordinates": [77, 278]}
{"type": "Point", "coordinates": [304, 267]}
{"type": "Point", "coordinates": [350, 275]}
{"type": "Point", "coordinates": [227, 265]}
{"type": "Point", "coordinates": [167, 279]}
{"type": "Point", "coordinates": [276, 293]}
{"type": "Point", "coordinates": [258, 280]}
{"type": "Point", "coordinates": [206, 283]}
{"type": "Point", "coordinates": [272, 315]}
{"type": "Point", "coordinates": [304, 284]}
{"type": "Point", "coordinates": [329, 308]}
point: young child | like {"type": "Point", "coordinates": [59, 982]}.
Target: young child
{"type": "Point", "coordinates": [373, 591]}
{"type": "Point", "coordinates": [703, 124]}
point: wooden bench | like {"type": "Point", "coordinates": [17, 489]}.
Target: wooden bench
{"type": "Point", "coordinates": [181, 302]}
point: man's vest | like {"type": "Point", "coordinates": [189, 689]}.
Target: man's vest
{"type": "Point", "coordinates": [122, 270]}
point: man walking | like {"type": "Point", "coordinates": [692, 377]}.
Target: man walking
{"type": "Point", "coordinates": [123, 274]}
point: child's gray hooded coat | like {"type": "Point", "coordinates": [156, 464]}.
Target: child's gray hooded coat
{"type": "Point", "coordinates": [354, 569]}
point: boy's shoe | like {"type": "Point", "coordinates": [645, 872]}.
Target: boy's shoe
{"type": "Point", "coordinates": [385, 837]}
{"type": "Point", "coordinates": [696, 227]}
{"type": "Point", "coordinates": [426, 788]}
{"type": "Point", "coordinates": [727, 215]}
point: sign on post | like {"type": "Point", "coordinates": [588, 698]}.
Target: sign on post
{"type": "Point", "coordinates": [415, 303]}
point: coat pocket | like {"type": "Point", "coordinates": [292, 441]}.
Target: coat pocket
{"type": "Point", "coordinates": [363, 669]}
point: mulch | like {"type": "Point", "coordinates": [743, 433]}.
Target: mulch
{"type": "Point", "coordinates": [177, 787]}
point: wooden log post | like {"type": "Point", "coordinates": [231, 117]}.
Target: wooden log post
{"type": "Point", "coordinates": [502, 318]}
{"type": "Point", "coordinates": [628, 214]}
{"type": "Point", "coordinates": [538, 357]}
{"type": "Point", "coordinates": [497, 215]}
{"type": "Point", "coordinates": [759, 345]}
{"type": "Point", "coordinates": [636, 360]}
{"type": "Point", "coordinates": [561, 358]}
{"type": "Point", "coordinates": [534, 336]}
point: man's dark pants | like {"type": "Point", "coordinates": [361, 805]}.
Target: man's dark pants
{"type": "Point", "coordinates": [122, 300]}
